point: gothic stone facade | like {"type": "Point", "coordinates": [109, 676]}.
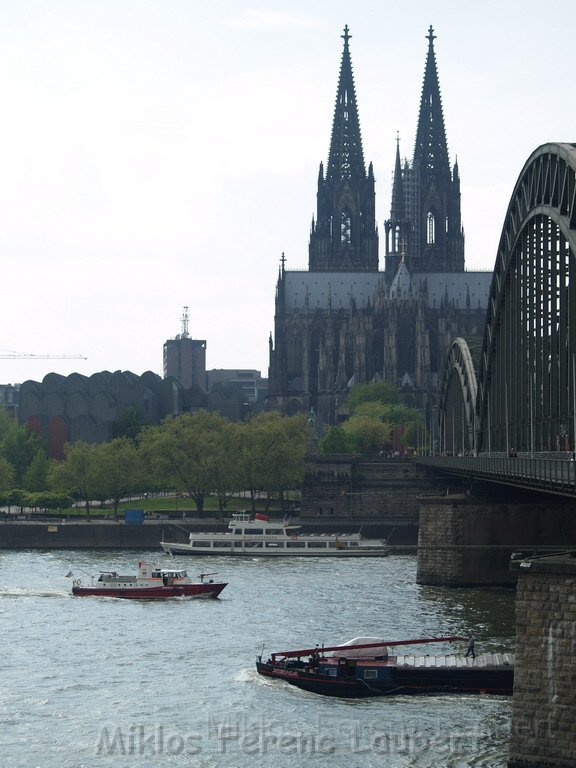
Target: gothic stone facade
{"type": "Point", "coordinates": [344, 322]}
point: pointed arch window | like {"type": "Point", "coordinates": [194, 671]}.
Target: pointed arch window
{"type": "Point", "coordinates": [294, 361]}
{"type": "Point", "coordinates": [430, 229]}
{"type": "Point", "coordinates": [345, 228]}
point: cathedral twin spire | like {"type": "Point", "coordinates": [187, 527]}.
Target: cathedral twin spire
{"type": "Point", "coordinates": [346, 159]}
{"type": "Point", "coordinates": [425, 212]}
{"type": "Point", "coordinates": [431, 150]}
{"type": "Point", "coordinates": [344, 237]}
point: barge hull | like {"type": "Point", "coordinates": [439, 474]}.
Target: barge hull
{"type": "Point", "coordinates": [479, 676]}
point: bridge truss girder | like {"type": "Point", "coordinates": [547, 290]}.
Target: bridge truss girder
{"type": "Point", "coordinates": [527, 373]}
{"type": "Point", "coordinates": [457, 414]}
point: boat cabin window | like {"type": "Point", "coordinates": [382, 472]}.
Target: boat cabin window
{"type": "Point", "coordinates": [253, 531]}
{"type": "Point", "coordinates": [316, 545]}
{"type": "Point", "coordinates": [370, 674]}
{"type": "Point", "coordinates": [200, 543]}
{"type": "Point", "coordinates": [224, 544]}
{"type": "Point", "coordinates": [296, 544]}
{"type": "Point", "coordinates": [275, 531]}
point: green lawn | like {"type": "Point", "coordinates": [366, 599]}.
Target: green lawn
{"type": "Point", "coordinates": [172, 504]}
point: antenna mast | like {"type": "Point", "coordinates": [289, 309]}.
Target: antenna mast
{"type": "Point", "coordinates": [185, 318]}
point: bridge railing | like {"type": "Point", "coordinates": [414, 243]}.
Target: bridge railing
{"type": "Point", "coordinates": [554, 475]}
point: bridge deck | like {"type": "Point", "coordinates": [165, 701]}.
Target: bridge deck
{"type": "Point", "coordinates": [551, 475]}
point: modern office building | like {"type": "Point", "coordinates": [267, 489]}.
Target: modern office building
{"type": "Point", "coordinates": [185, 358]}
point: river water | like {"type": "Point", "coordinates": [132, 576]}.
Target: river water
{"type": "Point", "coordinates": [101, 682]}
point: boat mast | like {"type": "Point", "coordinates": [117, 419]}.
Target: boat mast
{"type": "Point", "coordinates": [323, 650]}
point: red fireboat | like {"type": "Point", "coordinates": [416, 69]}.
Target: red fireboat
{"type": "Point", "coordinates": [150, 583]}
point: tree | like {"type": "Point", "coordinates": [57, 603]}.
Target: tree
{"type": "Point", "coordinates": [273, 449]}
{"type": "Point", "coordinates": [16, 497]}
{"type": "Point", "coordinates": [6, 423]}
{"type": "Point", "coordinates": [391, 414]}
{"type": "Point", "coordinates": [36, 474]}
{"type": "Point", "coordinates": [296, 433]}
{"type": "Point", "coordinates": [399, 414]}
{"type": "Point", "coordinates": [183, 452]}
{"type": "Point", "coordinates": [117, 469]}
{"type": "Point", "coordinates": [6, 476]}
{"type": "Point", "coordinates": [368, 434]}
{"type": "Point", "coordinates": [19, 447]}
{"type": "Point", "coordinates": [415, 434]}
{"type": "Point", "coordinates": [227, 468]}
{"type": "Point", "coordinates": [49, 500]}
{"type": "Point", "coordinates": [77, 472]}
{"type": "Point", "coordinates": [374, 392]}
{"type": "Point", "coordinates": [336, 440]}
{"type": "Point", "coordinates": [129, 423]}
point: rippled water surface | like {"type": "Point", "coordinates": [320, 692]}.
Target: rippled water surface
{"type": "Point", "coordinates": [100, 682]}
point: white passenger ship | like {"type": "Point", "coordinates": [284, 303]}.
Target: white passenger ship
{"type": "Point", "coordinates": [259, 536]}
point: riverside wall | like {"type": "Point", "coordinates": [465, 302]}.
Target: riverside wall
{"type": "Point", "coordinates": [377, 495]}
{"type": "Point", "coordinates": [113, 535]}
{"type": "Point", "coordinates": [466, 541]}
{"type": "Point", "coordinates": [543, 730]}
{"type": "Point", "coordinates": [368, 491]}
{"type": "Point", "coordinates": [96, 534]}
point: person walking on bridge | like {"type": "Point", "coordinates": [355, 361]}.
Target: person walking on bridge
{"type": "Point", "coordinates": [470, 651]}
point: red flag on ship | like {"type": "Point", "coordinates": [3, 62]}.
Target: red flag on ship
{"type": "Point", "coordinates": [260, 516]}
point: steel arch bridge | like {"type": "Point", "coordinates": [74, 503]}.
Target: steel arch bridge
{"type": "Point", "coordinates": [526, 388]}
{"type": "Point", "coordinates": [458, 401]}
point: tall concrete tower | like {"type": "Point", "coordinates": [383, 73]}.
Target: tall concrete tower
{"type": "Point", "coordinates": [185, 358]}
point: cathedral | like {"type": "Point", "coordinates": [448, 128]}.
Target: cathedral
{"type": "Point", "coordinates": [344, 321]}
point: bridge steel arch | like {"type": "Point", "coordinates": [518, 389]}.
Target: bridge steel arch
{"type": "Point", "coordinates": [527, 371]}
{"type": "Point", "coordinates": [457, 413]}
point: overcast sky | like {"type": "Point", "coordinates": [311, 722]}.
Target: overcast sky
{"type": "Point", "coordinates": [156, 154]}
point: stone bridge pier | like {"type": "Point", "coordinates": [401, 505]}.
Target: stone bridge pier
{"type": "Point", "coordinates": [544, 702]}
{"type": "Point", "coordinates": [468, 541]}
